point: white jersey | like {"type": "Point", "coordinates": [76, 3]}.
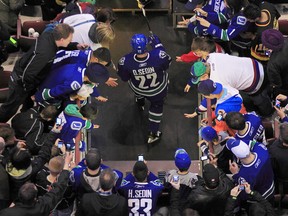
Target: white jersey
{"type": "Point", "coordinates": [82, 24]}
{"type": "Point", "coordinates": [241, 73]}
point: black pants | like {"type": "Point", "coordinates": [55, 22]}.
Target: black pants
{"type": "Point", "coordinates": [16, 97]}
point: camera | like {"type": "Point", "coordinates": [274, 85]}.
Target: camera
{"type": "Point", "coordinates": [277, 103]}
{"type": "Point", "coordinates": [203, 158]}
{"type": "Point", "coordinates": [219, 117]}
{"type": "Point", "coordinates": [140, 158]}
{"type": "Point", "coordinates": [175, 178]}
{"type": "Point", "coordinates": [60, 144]}
{"type": "Point", "coordinates": [58, 121]}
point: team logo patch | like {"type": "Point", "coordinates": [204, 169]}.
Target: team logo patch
{"type": "Point", "coordinates": [156, 182]}
{"type": "Point", "coordinates": [121, 61]}
{"type": "Point", "coordinates": [162, 54]}
{"type": "Point", "coordinates": [241, 20]}
{"type": "Point", "coordinates": [75, 85]}
{"type": "Point", "coordinates": [124, 182]}
{"type": "Point", "coordinates": [76, 125]}
{"type": "Point", "coordinates": [71, 177]}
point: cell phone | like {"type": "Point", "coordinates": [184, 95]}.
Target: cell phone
{"type": "Point", "coordinates": [277, 103]}
{"type": "Point", "coordinates": [198, 13]}
{"type": "Point", "coordinates": [204, 157]}
{"type": "Point", "coordinates": [219, 117]}
{"type": "Point", "coordinates": [58, 121]}
{"type": "Point", "coordinates": [241, 187]}
{"type": "Point", "coordinates": [175, 178]}
{"type": "Point", "coordinates": [60, 144]}
{"type": "Point", "coordinates": [267, 52]}
{"type": "Point", "coordinates": [140, 158]}
{"type": "Point", "coordinates": [241, 182]}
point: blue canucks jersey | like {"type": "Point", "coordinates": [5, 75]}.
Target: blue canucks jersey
{"type": "Point", "coordinates": [255, 130]}
{"type": "Point", "coordinates": [237, 24]}
{"type": "Point", "coordinates": [66, 75]}
{"type": "Point", "coordinates": [217, 14]}
{"type": "Point", "coordinates": [76, 172]}
{"type": "Point", "coordinates": [259, 173]}
{"type": "Point", "coordinates": [146, 77]}
{"type": "Point", "coordinates": [72, 123]}
{"type": "Point", "coordinates": [142, 196]}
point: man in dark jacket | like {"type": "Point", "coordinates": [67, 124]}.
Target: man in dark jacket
{"type": "Point", "coordinates": [29, 126]}
{"type": "Point", "coordinates": [277, 66]}
{"type": "Point", "coordinates": [278, 155]}
{"type": "Point", "coordinates": [21, 168]}
{"type": "Point", "coordinates": [208, 199]}
{"type": "Point", "coordinates": [103, 202]}
{"type": "Point", "coordinates": [32, 68]}
{"type": "Point", "coordinates": [29, 205]}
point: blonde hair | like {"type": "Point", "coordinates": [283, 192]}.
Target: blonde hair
{"type": "Point", "coordinates": [105, 34]}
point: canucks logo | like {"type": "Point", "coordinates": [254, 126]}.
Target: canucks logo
{"type": "Point", "coordinates": [157, 182]}
{"type": "Point", "coordinates": [75, 85]}
{"type": "Point", "coordinates": [241, 20]}
{"type": "Point", "coordinates": [121, 61]}
{"type": "Point", "coordinates": [162, 54]}
{"type": "Point", "coordinates": [124, 182]}
{"type": "Point", "coordinates": [76, 125]}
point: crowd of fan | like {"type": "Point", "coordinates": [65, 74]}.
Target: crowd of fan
{"type": "Point", "coordinates": [37, 172]}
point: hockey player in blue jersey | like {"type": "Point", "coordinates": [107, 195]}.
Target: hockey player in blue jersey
{"type": "Point", "coordinates": [141, 194]}
{"type": "Point", "coordinates": [145, 71]}
{"type": "Point", "coordinates": [73, 68]}
{"type": "Point", "coordinates": [255, 167]}
{"type": "Point", "coordinates": [248, 126]}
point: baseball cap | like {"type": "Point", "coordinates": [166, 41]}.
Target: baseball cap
{"type": "Point", "coordinates": [182, 159]}
{"type": "Point", "coordinates": [208, 133]}
{"type": "Point", "coordinates": [207, 87]}
{"type": "Point", "coordinates": [191, 4]}
{"type": "Point", "coordinates": [239, 148]}
{"type": "Point", "coordinates": [56, 164]}
{"type": "Point", "coordinates": [197, 70]}
{"type": "Point", "coordinates": [140, 170]}
{"type": "Point", "coordinates": [97, 73]}
{"type": "Point", "coordinates": [273, 39]}
{"type": "Point", "coordinates": [211, 176]}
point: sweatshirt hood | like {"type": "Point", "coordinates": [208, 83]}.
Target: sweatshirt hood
{"type": "Point", "coordinates": [73, 110]}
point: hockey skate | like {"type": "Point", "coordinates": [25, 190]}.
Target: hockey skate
{"type": "Point", "coordinates": [153, 137]}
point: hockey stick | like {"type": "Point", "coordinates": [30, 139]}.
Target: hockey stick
{"type": "Point", "coordinates": [144, 14]}
{"type": "Point", "coordinates": [147, 21]}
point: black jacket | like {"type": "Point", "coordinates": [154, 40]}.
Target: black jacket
{"type": "Point", "coordinates": [208, 202]}
{"type": "Point", "coordinates": [44, 204]}
{"type": "Point", "coordinates": [30, 127]}
{"type": "Point", "coordinates": [277, 70]}
{"type": "Point", "coordinates": [34, 65]}
{"type": "Point", "coordinates": [95, 204]}
{"type": "Point", "coordinates": [255, 197]}
{"type": "Point", "coordinates": [16, 181]}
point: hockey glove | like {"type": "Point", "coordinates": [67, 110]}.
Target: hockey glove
{"type": "Point", "coordinates": [154, 41]}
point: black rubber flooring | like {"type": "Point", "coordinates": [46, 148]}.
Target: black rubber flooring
{"type": "Point", "coordinates": [123, 129]}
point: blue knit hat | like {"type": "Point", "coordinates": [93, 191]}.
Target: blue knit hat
{"type": "Point", "coordinates": [182, 159]}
